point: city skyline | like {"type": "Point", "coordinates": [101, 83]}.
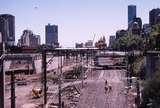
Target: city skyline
{"type": "Point", "coordinates": [78, 21]}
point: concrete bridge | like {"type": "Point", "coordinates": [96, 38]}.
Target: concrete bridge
{"type": "Point", "coordinates": [110, 59]}
{"type": "Point", "coordinates": [111, 54]}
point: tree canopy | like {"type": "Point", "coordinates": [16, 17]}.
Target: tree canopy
{"type": "Point", "coordinates": [128, 43]}
{"type": "Point", "coordinates": [153, 41]}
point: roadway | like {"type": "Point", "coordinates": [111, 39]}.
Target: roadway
{"type": "Point", "coordinates": [93, 94]}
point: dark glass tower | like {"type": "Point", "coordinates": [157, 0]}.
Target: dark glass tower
{"type": "Point", "coordinates": [7, 28]}
{"type": "Point", "coordinates": [51, 35]}
{"type": "Point", "coordinates": [152, 16]}
{"type": "Point", "coordinates": [131, 14]}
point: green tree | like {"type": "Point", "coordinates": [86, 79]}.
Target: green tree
{"type": "Point", "coordinates": [153, 41]}
{"type": "Point", "coordinates": [128, 43]}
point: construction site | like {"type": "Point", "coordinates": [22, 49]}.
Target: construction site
{"type": "Point", "coordinates": [67, 78]}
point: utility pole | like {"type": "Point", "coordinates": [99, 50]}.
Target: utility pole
{"type": "Point", "coordinates": [60, 68]}
{"type": "Point", "coordinates": [44, 76]}
{"type": "Point", "coordinates": [87, 58]}
{"type": "Point", "coordinates": [2, 87]}
{"type": "Point", "coordinates": [91, 63]}
{"type": "Point", "coordinates": [82, 72]}
{"type": "Point", "coordinates": [13, 101]}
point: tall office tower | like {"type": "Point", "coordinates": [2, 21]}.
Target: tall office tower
{"type": "Point", "coordinates": [153, 14]}
{"type": "Point", "coordinates": [7, 28]}
{"type": "Point", "coordinates": [52, 35]}
{"type": "Point", "coordinates": [111, 40]}
{"type": "Point", "coordinates": [131, 14]}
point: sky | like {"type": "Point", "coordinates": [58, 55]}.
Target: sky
{"type": "Point", "coordinates": [77, 20]}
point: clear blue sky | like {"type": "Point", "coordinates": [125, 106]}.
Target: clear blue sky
{"type": "Point", "coordinates": [78, 20]}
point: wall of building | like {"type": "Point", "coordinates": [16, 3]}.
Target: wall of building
{"type": "Point", "coordinates": [131, 13]}
{"type": "Point", "coordinates": [29, 39]}
{"type": "Point", "coordinates": [51, 34]}
{"type": "Point", "coordinates": [152, 16]}
{"type": "Point", "coordinates": [7, 28]}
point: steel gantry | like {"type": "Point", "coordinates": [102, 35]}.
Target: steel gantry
{"type": "Point", "coordinates": [63, 53]}
{"type": "Point", "coordinates": [23, 56]}
{"type": "Point", "coordinates": [6, 57]}
{"type": "Point", "coordinates": [59, 52]}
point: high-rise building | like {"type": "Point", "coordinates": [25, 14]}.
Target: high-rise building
{"type": "Point", "coordinates": [79, 45]}
{"type": "Point", "coordinates": [134, 29]}
{"type": "Point", "coordinates": [7, 28]}
{"type": "Point", "coordinates": [131, 14]}
{"type": "Point", "coordinates": [111, 40]}
{"type": "Point", "coordinates": [136, 26]}
{"type": "Point", "coordinates": [157, 19]}
{"type": "Point", "coordinates": [29, 39]}
{"type": "Point", "coordinates": [121, 33]}
{"type": "Point", "coordinates": [51, 32]}
{"type": "Point", "coordinates": [89, 44]}
{"type": "Point", "coordinates": [153, 14]}
{"type": "Point", "coordinates": [146, 29]}
{"type": "Point", "coordinates": [139, 21]}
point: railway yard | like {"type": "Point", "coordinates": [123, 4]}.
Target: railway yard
{"type": "Point", "coordinates": [80, 86]}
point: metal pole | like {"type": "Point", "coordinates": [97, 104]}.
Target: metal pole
{"type": "Point", "coordinates": [2, 85]}
{"type": "Point", "coordinates": [44, 76]}
{"type": "Point", "coordinates": [91, 63]}
{"type": "Point", "coordinates": [60, 68]}
{"type": "Point", "coordinates": [87, 58]}
{"type": "Point", "coordinates": [82, 69]}
{"type": "Point", "coordinates": [59, 94]}
{"type": "Point", "coordinates": [127, 63]}
{"type": "Point", "coordinates": [76, 69]}
{"type": "Point", "coordinates": [61, 82]}
{"type": "Point", "coordinates": [13, 101]}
